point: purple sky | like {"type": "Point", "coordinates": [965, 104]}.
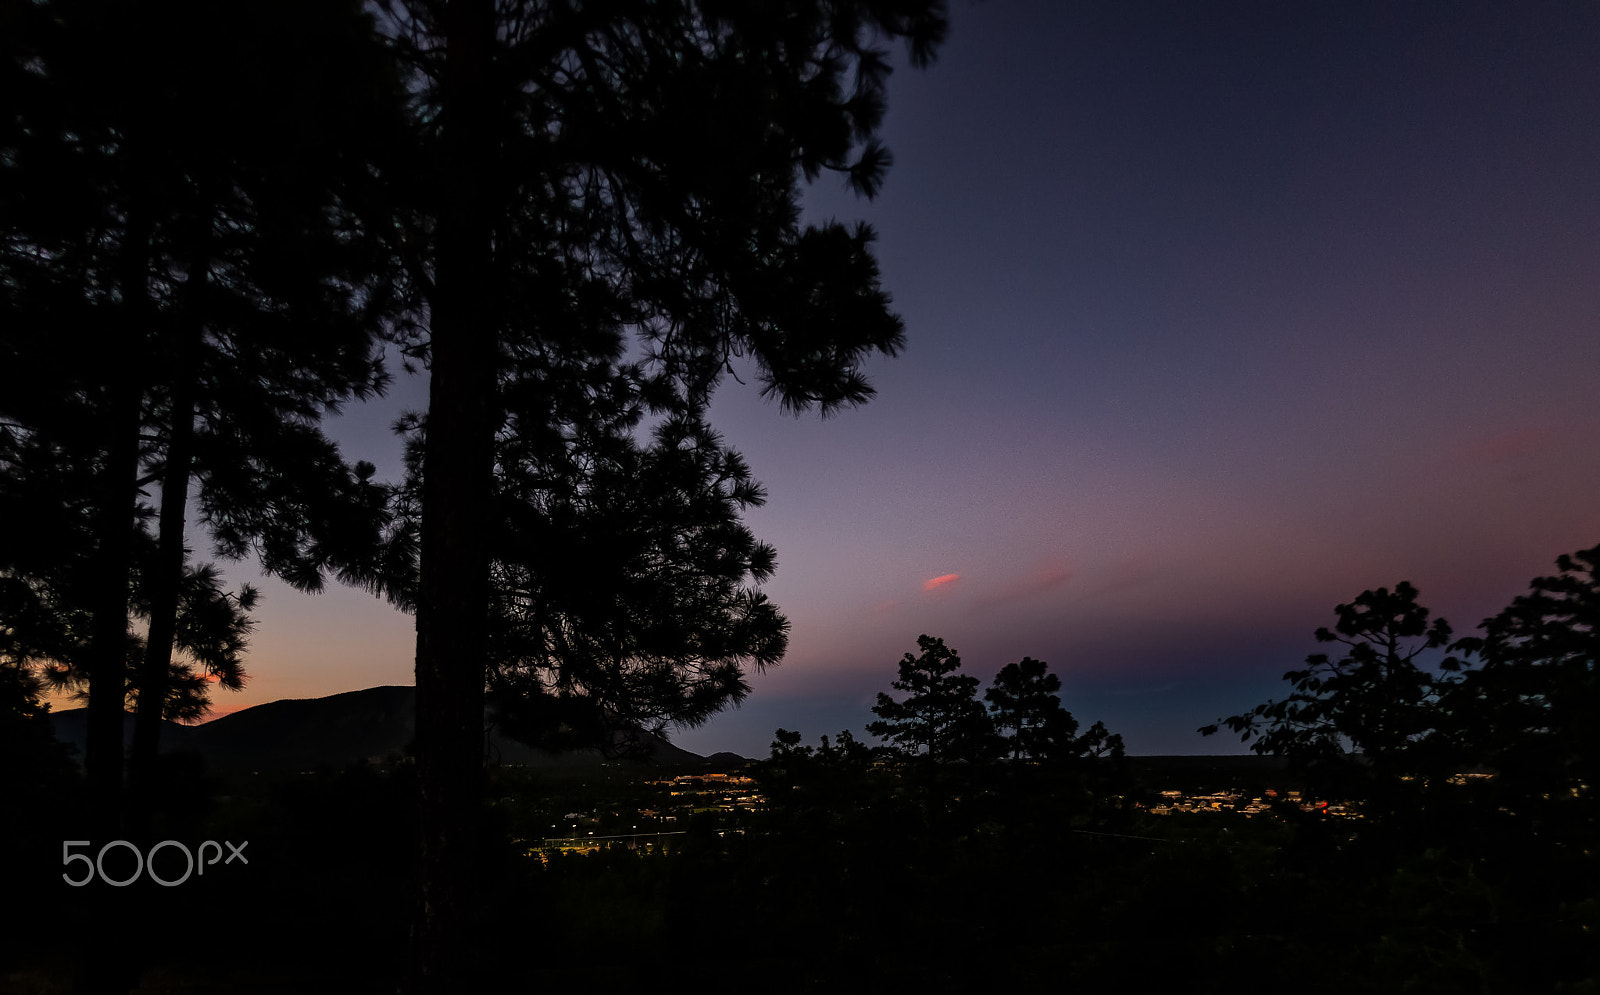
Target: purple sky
{"type": "Point", "coordinates": [1218, 314]}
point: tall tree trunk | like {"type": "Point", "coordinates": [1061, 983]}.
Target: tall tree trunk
{"type": "Point", "coordinates": [457, 482]}
{"type": "Point", "coordinates": [108, 646]}
{"type": "Point", "coordinates": [166, 577]}
{"type": "Point", "coordinates": [104, 970]}
{"type": "Point", "coordinates": [114, 555]}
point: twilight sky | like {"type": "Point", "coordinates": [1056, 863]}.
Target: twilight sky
{"type": "Point", "coordinates": [1217, 315]}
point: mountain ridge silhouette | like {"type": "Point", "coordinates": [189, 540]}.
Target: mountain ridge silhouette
{"type": "Point", "coordinates": [371, 725]}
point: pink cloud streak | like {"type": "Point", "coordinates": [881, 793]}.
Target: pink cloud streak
{"type": "Point", "coordinates": [1040, 580]}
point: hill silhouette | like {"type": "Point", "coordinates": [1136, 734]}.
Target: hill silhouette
{"type": "Point", "coordinates": [374, 725]}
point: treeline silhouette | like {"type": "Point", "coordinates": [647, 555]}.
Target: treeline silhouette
{"type": "Point", "coordinates": [1469, 863]}
{"type": "Point", "coordinates": [213, 221]}
{"type": "Point", "coordinates": [1494, 742]}
{"type": "Point", "coordinates": [1007, 849]}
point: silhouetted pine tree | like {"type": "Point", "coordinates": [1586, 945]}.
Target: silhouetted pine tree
{"type": "Point", "coordinates": [619, 573]}
{"type": "Point", "coordinates": [1454, 853]}
{"type": "Point", "coordinates": [218, 198]}
{"type": "Point", "coordinates": [77, 306]}
{"type": "Point", "coordinates": [48, 567]}
{"type": "Point", "coordinates": [1528, 712]}
{"type": "Point", "coordinates": [1368, 725]}
{"type": "Point", "coordinates": [601, 171]}
{"type": "Point", "coordinates": [620, 583]}
{"type": "Point", "coordinates": [941, 717]}
{"type": "Point", "coordinates": [191, 275]}
{"type": "Point", "coordinates": [1024, 701]}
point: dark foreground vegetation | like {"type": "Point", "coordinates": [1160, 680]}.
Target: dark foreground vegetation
{"type": "Point", "coordinates": [220, 223]}
{"type": "Point", "coordinates": [851, 878]}
{"type": "Point", "coordinates": [981, 848]}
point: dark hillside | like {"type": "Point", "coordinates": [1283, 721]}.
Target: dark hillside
{"type": "Point", "coordinates": [374, 725]}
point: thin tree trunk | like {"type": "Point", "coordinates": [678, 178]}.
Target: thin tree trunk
{"type": "Point", "coordinates": [117, 499]}
{"type": "Point", "coordinates": [104, 970]}
{"type": "Point", "coordinates": [166, 577]}
{"type": "Point", "coordinates": [457, 482]}
{"type": "Point", "coordinates": [108, 646]}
